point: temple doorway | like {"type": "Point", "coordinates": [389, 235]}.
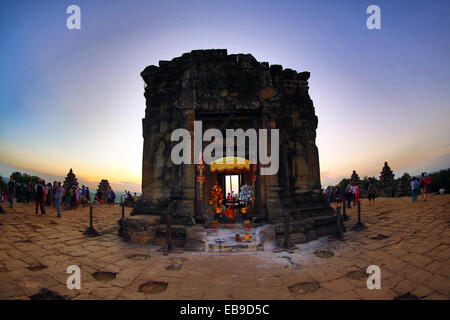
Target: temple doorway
{"type": "Point", "coordinates": [232, 184]}
{"type": "Point", "coordinates": [229, 173]}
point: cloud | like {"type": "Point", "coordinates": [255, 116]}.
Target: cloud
{"type": "Point", "coordinates": [429, 165]}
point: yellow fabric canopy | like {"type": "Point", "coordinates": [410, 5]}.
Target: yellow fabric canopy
{"type": "Point", "coordinates": [227, 164]}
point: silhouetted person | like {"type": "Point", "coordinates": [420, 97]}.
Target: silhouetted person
{"type": "Point", "coordinates": [41, 194]}
{"type": "Point", "coordinates": [11, 192]}
{"type": "Point", "coordinates": [58, 195]}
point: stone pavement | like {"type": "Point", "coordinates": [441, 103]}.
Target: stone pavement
{"type": "Point", "coordinates": [410, 242]}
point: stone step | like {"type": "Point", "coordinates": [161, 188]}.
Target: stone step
{"type": "Point", "coordinates": [230, 245]}
{"type": "Point", "coordinates": [178, 231]}
{"type": "Point", "coordinates": [311, 212]}
{"type": "Point", "coordinates": [324, 221]}
{"type": "Point", "coordinates": [297, 238]}
{"type": "Point", "coordinates": [230, 248]}
{"type": "Point", "coordinates": [294, 226]}
{"type": "Point", "coordinates": [326, 230]}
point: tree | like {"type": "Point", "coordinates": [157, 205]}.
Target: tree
{"type": "Point", "coordinates": [21, 180]}
{"type": "Point", "coordinates": [3, 185]}
{"type": "Point", "coordinates": [440, 180]}
{"type": "Point", "coordinates": [344, 183]}
{"type": "Point", "coordinates": [404, 185]}
{"type": "Point", "coordinates": [367, 181]}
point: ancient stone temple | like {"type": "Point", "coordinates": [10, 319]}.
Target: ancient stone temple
{"type": "Point", "coordinates": [387, 181]}
{"type": "Point", "coordinates": [103, 188]}
{"type": "Point", "coordinates": [230, 91]}
{"type": "Point", "coordinates": [71, 180]}
{"type": "Point", "coordinates": [355, 178]}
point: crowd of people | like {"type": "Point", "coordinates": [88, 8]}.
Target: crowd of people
{"type": "Point", "coordinates": [422, 185]}
{"type": "Point", "coordinates": [352, 193]}
{"type": "Point", "coordinates": [130, 200]}
{"type": "Point", "coordinates": [109, 197]}
{"type": "Point", "coordinates": [349, 195]}
{"type": "Point", "coordinates": [55, 194]}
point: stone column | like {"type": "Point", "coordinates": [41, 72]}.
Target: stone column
{"type": "Point", "coordinates": [186, 209]}
{"type": "Point", "coordinates": [274, 206]}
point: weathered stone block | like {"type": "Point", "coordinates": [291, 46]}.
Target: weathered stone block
{"type": "Point", "coordinates": [311, 235]}
{"type": "Point", "coordinates": [139, 229]}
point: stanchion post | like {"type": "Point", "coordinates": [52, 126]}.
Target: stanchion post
{"type": "Point", "coordinates": [90, 216]}
{"type": "Point", "coordinates": [120, 221]}
{"type": "Point", "coordinates": [339, 235]}
{"type": "Point", "coordinates": [285, 244]}
{"type": "Point", "coordinates": [169, 247]}
{"type": "Point", "coordinates": [344, 215]}
{"type": "Point", "coordinates": [359, 225]}
{"type": "Point", "coordinates": [91, 230]}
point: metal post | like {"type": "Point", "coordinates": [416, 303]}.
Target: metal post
{"type": "Point", "coordinates": [90, 217]}
{"type": "Point", "coordinates": [359, 225]}
{"type": "Point", "coordinates": [169, 247]}
{"type": "Point", "coordinates": [344, 215]}
{"type": "Point", "coordinates": [285, 244]}
{"type": "Point", "coordinates": [120, 221]}
{"type": "Point", "coordinates": [91, 230]}
{"type": "Point", "coordinates": [339, 235]}
{"type": "Point", "coordinates": [123, 213]}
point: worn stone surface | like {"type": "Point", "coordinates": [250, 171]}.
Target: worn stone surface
{"type": "Point", "coordinates": [267, 236]}
{"type": "Point", "coordinates": [415, 258]}
{"type": "Point", "coordinates": [194, 238]}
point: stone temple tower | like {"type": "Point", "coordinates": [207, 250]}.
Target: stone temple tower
{"type": "Point", "coordinates": [229, 91]}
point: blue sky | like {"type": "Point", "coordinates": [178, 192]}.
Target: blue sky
{"type": "Point", "coordinates": [74, 98]}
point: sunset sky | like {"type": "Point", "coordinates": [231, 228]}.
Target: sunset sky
{"type": "Point", "coordinates": [74, 98]}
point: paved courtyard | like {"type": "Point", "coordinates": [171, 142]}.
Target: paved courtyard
{"type": "Point", "coordinates": [409, 242]}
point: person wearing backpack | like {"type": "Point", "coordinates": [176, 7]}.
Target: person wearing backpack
{"type": "Point", "coordinates": [348, 195]}
{"type": "Point", "coordinates": [429, 181]}
{"type": "Point", "coordinates": [67, 197]}
{"type": "Point", "coordinates": [58, 195]}
{"type": "Point", "coordinates": [11, 191]}
{"type": "Point", "coordinates": [88, 196]}
{"type": "Point", "coordinates": [414, 189]}
{"type": "Point", "coordinates": [338, 195]}
{"type": "Point", "coordinates": [423, 186]}
{"type": "Point", "coordinates": [41, 194]}
{"type": "Point", "coordinates": [356, 194]}
{"type": "Point", "coordinates": [371, 192]}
